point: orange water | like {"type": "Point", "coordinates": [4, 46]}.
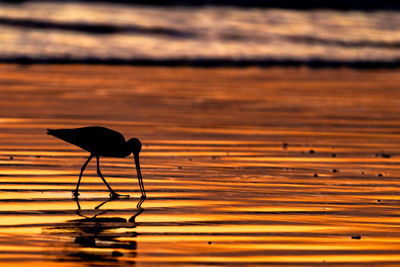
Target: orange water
{"type": "Point", "coordinates": [222, 189]}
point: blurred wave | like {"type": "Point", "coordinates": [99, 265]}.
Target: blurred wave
{"type": "Point", "coordinates": [81, 32]}
{"type": "Point", "coordinates": [88, 28]}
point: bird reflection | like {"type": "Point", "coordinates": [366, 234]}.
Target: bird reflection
{"type": "Point", "coordinates": [100, 232]}
{"type": "Point", "coordinates": [131, 219]}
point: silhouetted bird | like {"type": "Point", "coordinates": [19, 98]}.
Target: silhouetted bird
{"type": "Point", "coordinates": [101, 141]}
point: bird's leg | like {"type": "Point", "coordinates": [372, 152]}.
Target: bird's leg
{"type": "Point", "coordinates": [102, 177]}
{"type": "Point", "coordinates": [113, 194]}
{"type": "Point", "coordinates": [75, 192]}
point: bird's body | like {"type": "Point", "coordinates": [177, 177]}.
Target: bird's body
{"type": "Point", "coordinates": [97, 140]}
{"type": "Point", "coordinates": [101, 142]}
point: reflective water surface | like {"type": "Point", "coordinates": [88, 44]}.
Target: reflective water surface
{"type": "Point", "coordinates": [241, 166]}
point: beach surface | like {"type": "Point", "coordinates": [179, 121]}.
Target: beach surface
{"type": "Point", "coordinates": [279, 166]}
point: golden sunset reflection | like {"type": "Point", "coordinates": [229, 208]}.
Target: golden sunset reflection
{"type": "Point", "coordinates": [300, 168]}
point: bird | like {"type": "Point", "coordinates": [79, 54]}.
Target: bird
{"type": "Point", "coordinates": [101, 142]}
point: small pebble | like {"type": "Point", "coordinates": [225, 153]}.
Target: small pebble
{"type": "Point", "coordinates": [116, 254]}
{"type": "Point", "coordinates": [213, 157]}
{"type": "Point", "coordinates": [11, 157]}
{"type": "Point", "coordinates": [315, 175]}
{"type": "Point", "coordinates": [380, 174]}
{"type": "Point", "coordinates": [311, 151]}
{"type": "Point", "coordinates": [362, 172]}
{"type": "Point", "coordinates": [385, 155]}
{"type": "Point", "coordinates": [355, 237]}
{"type": "Point", "coordinates": [179, 167]}
{"type": "Point", "coordinates": [334, 170]}
{"type": "Point", "coordinates": [285, 145]}
{"type": "Point", "coordinates": [333, 155]}
{"type": "Point", "coordinates": [378, 200]}
{"type": "Point", "coordinates": [209, 242]}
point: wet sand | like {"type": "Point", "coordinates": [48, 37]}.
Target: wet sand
{"type": "Point", "coordinates": [247, 166]}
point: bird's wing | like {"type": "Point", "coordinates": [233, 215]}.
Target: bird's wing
{"type": "Point", "coordinates": [93, 139]}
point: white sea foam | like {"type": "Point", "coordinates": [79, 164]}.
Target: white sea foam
{"type": "Point", "coordinates": [74, 31]}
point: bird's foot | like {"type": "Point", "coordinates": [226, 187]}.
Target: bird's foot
{"type": "Point", "coordinates": [114, 195]}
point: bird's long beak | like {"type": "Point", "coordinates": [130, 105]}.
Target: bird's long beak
{"type": "Point", "coordinates": [139, 174]}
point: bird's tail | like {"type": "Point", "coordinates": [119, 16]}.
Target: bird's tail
{"type": "Point", "coordinates": [63, 134]}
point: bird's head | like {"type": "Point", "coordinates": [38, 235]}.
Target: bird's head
{"type": "Point", "coordinates": [135, 146]}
